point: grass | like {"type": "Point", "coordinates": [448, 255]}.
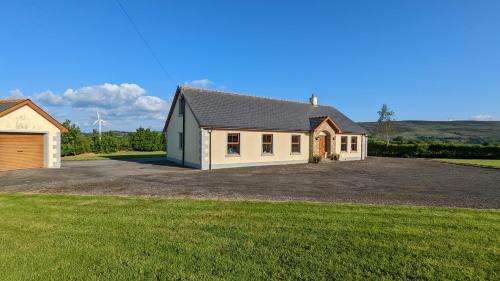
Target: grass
{"type": "Point", "coordinates": [116, 155]}
{"type": "Point", "coordinates": [481, 162]}
{"type": "Point", "coordinates": [56, 237]}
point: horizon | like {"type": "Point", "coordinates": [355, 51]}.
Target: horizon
{"type": "Point", "coordinates": [429, 61]}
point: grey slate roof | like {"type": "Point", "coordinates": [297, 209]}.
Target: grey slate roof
{"type": "Point", "coordinates": [6, 104]}
{"type": "Point", "coordinates": [217, 109]}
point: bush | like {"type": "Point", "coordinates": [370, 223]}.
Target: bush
{"type": "Point", "coordinates": [146, 140]}
{"type": "Point", "coordinates": [316, 159]}
{"type": "Point", "coordinates": [75, 142]}
{"type": "Point", "coordinates": [433, 150]}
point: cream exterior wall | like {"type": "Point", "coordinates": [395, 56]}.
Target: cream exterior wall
{"type": "Point", "coordinates": [351, 155]}
{"type": "Point", "coordinates": [192, 145]}
{"type": "Point", "coordinates": [26, 120]}
{"type": "Point", "coordinates": [251, 149]}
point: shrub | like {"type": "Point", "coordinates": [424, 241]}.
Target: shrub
{"type": "Point", "coordinates": [316, 159]}
{"type": "Point", "coordinates": [75, 142]}
{"type": "Point", "coordinates": [433, 150]}
{"type": "Point", "coordinates": [146, 140]}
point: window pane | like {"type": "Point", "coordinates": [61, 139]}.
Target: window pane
{"type": "Point", "coordinates": [233, 138]}
{"type": "Point", "coordinates": [267, 148]}
{"type": "Point", "coordinates": [267, 138]}
{"type": "Point", "coordinates": [233, 149]}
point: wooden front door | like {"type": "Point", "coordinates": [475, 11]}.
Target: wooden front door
{"type": "Point", "coordinates": [21, 151]}
{"type": "Point", "coordinates": [321, 146]}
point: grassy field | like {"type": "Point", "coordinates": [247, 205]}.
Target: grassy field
{"type": "Point", "coordinates": [482, 162]}
{"type": "Point", "coordinates": [116, 155]}
{"type": "Point", "coordinates": [55, 237]}
{"type": "Point", "coordinates": [472, 132]}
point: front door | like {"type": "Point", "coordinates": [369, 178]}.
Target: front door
{"type": "Point", "coordinates": [322, 146]}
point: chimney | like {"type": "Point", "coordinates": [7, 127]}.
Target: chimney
{"type": "Point", "coordinates": [314, 100]}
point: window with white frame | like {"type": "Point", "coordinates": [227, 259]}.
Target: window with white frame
{"type": "Point", "coordinates": [233, 144]}
{"type": "Point", "coordinates": [354, 144]}
{"type": "Point", "coordinates": [295, 143]}
{"type": "Point", "coordinates": [343, 143]}
{"type": "Point", "coordinates": [267, 144]}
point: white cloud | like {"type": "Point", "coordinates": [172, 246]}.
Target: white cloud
{"type": "Point", "coordinates": [114, 101]}
{"type": "Point", "coordinates": [49, 98]}
{"type": "Point", "coordinates": [16, 93]}
{"type": "Point", "coordinates": [201, 83]}
{"type": "Point", "coordinates": [482, 117]}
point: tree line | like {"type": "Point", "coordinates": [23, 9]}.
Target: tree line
{"type": "Point", "coordinates": [76, 142]}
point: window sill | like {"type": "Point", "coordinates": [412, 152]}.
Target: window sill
{"type": "Point", "coordinates": [267, 154]}
{"type": "Point", "coordinates": [233, 155]}
{"type": "Point", "coordinates": [295, 153]}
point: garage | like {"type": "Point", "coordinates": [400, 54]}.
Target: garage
{"type": "Point", "coordinates": [20, 151]}
{"type": "Point", "coordinates": [29, 136]}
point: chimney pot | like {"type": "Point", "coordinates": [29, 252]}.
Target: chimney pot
{"type": "Point", "coordinates": [314, 100]}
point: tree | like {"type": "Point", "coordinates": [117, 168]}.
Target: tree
{"type": "Point", "coordinates": [107, 143]}
{"type": "Point", "coordinates": [384, 126]}
{"type": "Point", "coordinates": [73, 142]}
{"type": "Point", "coordinates": [146, 140]}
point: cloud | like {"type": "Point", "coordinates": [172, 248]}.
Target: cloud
{"type": "Point", "coordinates": [16, 93]}
{"type": "Point", "coordinates": [49, 98]}
{"type": "Point", "coordinates": [201, 83]}
{"type": "Point", "coordinates": [482, 117]}
{"type": "Point", "coordinates": [114, 101]}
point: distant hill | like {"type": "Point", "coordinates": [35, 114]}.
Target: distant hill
{"type": "Point", "coordinates": [472, 132]}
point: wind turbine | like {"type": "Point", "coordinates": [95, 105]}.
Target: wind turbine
{"type": "Point", "coordinates": [99, 121]}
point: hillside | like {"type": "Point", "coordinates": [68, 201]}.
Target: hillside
{"type": "Point", "coordinates": [472, 132]}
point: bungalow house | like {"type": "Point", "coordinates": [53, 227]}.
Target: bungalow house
{"type": "Point", "coordinates": [209, 129]}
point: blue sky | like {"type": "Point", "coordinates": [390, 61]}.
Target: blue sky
{"type": "Point", "coordinates": [430, 60]}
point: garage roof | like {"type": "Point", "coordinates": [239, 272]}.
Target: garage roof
{"type": "Point", "coordinates": [9, 105]}
{"type": "Point", "coordinates": [6, 104]}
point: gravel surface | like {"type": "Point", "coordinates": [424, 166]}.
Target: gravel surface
{"type": "Point", "coordinates": [376, 180]}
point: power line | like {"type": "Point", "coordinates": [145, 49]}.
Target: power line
{"type": "Point", "coordinates": [153, 54]}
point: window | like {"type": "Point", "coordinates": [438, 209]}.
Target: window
{"type": "Point", "coordinates": [233, 144]}
{"type": "Point", "coordinates": [181, 140]}
{"type": "Point", "coordinates": [267, 144]}
{"type": "Point", "coordinates": [354, 144]}
{"type": "Point", "coordinates": [343, 143]}
{"type": "Point", "coordinates": [295, 144]}
{"type": "Point", "coordinates": [182, 106]}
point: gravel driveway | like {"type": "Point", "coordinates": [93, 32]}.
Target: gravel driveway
{"type": "Point", "coordinates": [376, 180]}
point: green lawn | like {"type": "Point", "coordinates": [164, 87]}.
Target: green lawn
{"type": "Point", "coordinates": [116, 155]}
{"type": "Point", "coordinates": [482, 162]}
{"type": "Point", "coordinates": [55, 237]}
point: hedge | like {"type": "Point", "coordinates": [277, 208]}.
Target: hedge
{"type": "Point", "coordinates": [433, 150]}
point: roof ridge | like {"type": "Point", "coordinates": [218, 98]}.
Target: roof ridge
{"type": "Point", "coordinates": [245, 95]}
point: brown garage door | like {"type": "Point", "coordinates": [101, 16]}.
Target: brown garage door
{"type": "Point", "coordinates": [21, 151]}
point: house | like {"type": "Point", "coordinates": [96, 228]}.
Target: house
{"type": "Point", "coordinates": [209, 129]}
{"type": "Point", "coordinates": [29, 137]}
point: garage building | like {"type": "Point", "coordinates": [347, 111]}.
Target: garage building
{"type": "Point", "coordinates": [29, 136]}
